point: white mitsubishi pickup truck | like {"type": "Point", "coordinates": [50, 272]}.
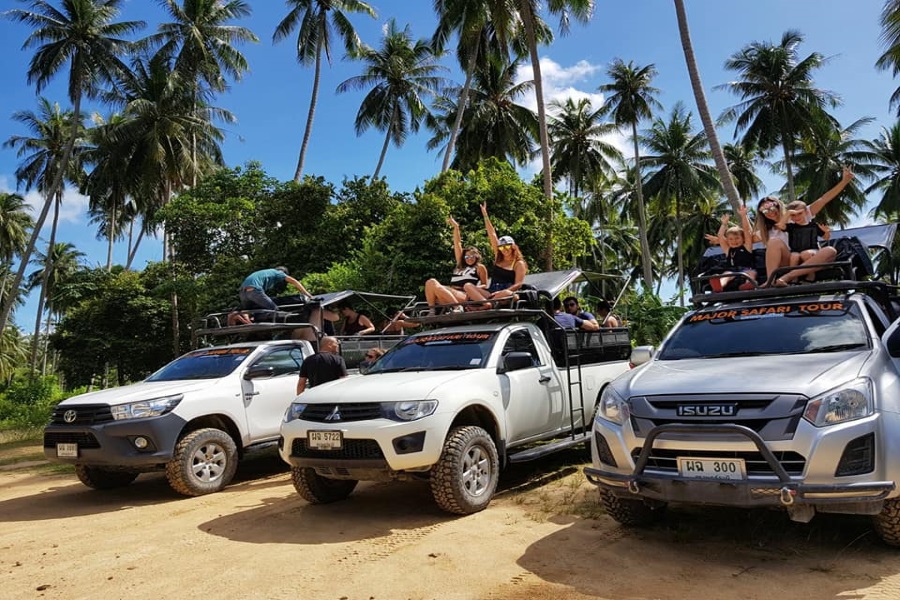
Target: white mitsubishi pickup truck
{"type": "Point", "coordinates": [452, 406]}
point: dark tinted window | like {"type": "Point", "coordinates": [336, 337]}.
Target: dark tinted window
{"type": "Point", "coordinates": [520, 341]}
{"type": "Point", "coordinates": [437, 351]}
{"type": "Point", "coordinates": [283, 360]}
{"type": "Point", "coordinates": [211, 363]}
{"type": "Point", "coordinates": [784, 328]}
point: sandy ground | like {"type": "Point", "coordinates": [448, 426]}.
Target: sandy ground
{"type": "Point", "coordinates": [543, 537]}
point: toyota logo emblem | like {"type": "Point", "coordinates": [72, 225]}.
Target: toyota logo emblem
{"type": "Point", "coordinates": [69, 416]}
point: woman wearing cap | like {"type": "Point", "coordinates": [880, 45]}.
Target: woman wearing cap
{"type": "Point", "coordinates": [469, 270]}
{"type": "Point", "coordinates": [509, 268]}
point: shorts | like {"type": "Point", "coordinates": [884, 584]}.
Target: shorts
{"type": "Point", "coordinates": [500, 285]}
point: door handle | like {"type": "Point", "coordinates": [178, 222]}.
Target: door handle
{"type": "Point", "coordinates": [251, 394]}
{"type": "Point", "coordinates": [544, 379]}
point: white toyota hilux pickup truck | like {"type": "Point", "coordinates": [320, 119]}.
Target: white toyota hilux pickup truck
{"type": "Point", "coordinates": [452, 406]}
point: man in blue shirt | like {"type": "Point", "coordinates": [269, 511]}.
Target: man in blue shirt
{"type": "Point", "coordinates": [569, 321]}
{"type": "Point", "coordinates": [572, 308]}
{"type": "Point", "coordinates": [255, 289]}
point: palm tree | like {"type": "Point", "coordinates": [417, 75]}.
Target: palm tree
{"type": "Point", "coordinates": [314, 38]}
{"type": "Point", "coordinates": [579, 150]}
{"type": "Point", "coordinates": [15, 224]}
{"type": "Point", "coordinates": [401, 74]}
{"type": "Point", "coordinates": [83, 35]}
{"type": "Point", "coordinates": [202, 45]}
{"type": "Point", "coordinates": [56, 267]}
{"type": "Point", "coordinates": [687, 47]}
{"type": "Point", "coordinates": [886, 166]}
{"type": "Point", "coordinates": [822, 154]}
{"type": "Point", "coordinates": [778, 100]}
{"type": "Point", "coordinates": [12, 353]}
{"type": "Point", "coordinates": [493, 124]}
{"type": "Point", "coordinates": [632, 100]}
{"type": "Point", "coordinates": [682, 170]}
{"type": "Point", "coordinates": [890, 39]}
{"type": "Point", "coordinates": [742, 162]}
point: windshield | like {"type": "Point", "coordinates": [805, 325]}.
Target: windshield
{"type": "Point", "coordinates": [781, 328]}
{"type": "Point", "coordinates": [211, 363]}
{"type": "Point", "coordinates": [437, 352]}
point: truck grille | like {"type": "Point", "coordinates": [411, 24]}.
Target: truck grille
{"type": "Point", "coordinates": [352, 449]}
{"type": "Point", "coordinates": [351, 411]}
{"type": "Point", "coordinates": [84, 440]}
{"type": "Point", "coordinates": [88, 414]}
{"type": "Point", "coordinates": [666, 460]}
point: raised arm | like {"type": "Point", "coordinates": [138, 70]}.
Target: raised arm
{"type": "Point", "coordinates": [745, 225]}
{"type": "Point", "coordinates": [489, 227]}
{"type": "Point", "coordinates": [720, 235]}
{"type": "Point", "coordinates": [457, 241]}
{"type": "Point", "coordinates": [297, 285]}
{"type": "Point", "coordinates": [818, 205]}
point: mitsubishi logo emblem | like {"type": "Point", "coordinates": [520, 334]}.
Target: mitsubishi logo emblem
{"type": "Point", "coordinates": [69, 416]}
{"type": "Point", "coordinates": [334, 415]}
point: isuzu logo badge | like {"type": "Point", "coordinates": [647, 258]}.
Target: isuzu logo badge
{"type": "Point", "coordinates": [69, 416]}
{"type": "Point", "coordinates": [334, 415]}
{"type": "Point", "coordinates": [707, 410]}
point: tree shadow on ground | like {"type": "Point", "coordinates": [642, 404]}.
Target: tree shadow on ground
{"type": "Point", "coordinates": [702, 552]}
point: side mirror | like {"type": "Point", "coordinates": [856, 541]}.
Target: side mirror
{"type": "Point", "coordinates": [893, 343]}
{"type": "Point", "coordinates": [514, 361]}
{"type": "Point", "coordinates": [641, 355]}
{"type": "Point", "coordinates": [257, 371]}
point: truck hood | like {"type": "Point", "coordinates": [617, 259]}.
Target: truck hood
{"type": "Point", "coordinates": [383, 387]}
{"type": "Point", "coordinates": [140, 391]}
{"type": "Point", "coordinates": [807, 374]}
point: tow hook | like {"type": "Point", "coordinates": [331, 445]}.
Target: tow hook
{"type": "Point", "coordinates": [633, 487]}
{"type": "Point", "coordinates": [787, 496]}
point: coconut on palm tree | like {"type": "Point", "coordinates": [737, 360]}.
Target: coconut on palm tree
{"type": "Point", "coordinates": [631, 100]}
{"type": "Point", "coordinates": [83, 35]}
{"type": "Point", "coordinates": [313, 39]}
{"type": "Point", "coordinates": [400, 76]}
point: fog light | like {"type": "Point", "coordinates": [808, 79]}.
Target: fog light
{"type": "Point", "coordinates": [141, 443]}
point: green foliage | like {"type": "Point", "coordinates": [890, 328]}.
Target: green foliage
{"type": "Point", "coordinates": [27, 403]}
{"type": "Point", "coordinates": [647, 317]}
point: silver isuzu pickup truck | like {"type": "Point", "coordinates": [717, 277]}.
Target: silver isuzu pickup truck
{"type": "Point", "coordinates": [776, 397]}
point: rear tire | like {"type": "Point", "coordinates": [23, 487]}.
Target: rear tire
{"type": "Point", "coordinates": [103, 479]}
{"type": "Point", "coordinates": [887, 522]}
{"type": "Point", "coordinates": [464, 479]}
{"type": "Point", "coordinates": [204, 462]}
{"type": "Point", "coordinates": [630, 512]}
{"type": "Point", "coordinates": [316, 489]}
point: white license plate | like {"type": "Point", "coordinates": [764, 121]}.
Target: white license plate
{"type": "Point", "coordinates": [325, 440]}
{"type": "Point", "coordinates": [712, 468]}
{"type": "Point", "coordinates": [67, 450]}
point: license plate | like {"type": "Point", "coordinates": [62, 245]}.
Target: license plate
{"type": "Point", "coordinates": [67, 450]}
{"type": "Point", "coordinates": [712, 468]}
{"type": "Point", "coordinates": [325, 440]}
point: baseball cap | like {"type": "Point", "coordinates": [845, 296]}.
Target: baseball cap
{"type": "Point", "coordinates": [505, 240]}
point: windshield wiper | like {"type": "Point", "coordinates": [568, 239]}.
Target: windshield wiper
{"type": "Point", "coordinates": [837, 347]}
{"type": "Point", "coordinates": [423, 368]}
{"type": "Point", "coordinates": [736, 354]}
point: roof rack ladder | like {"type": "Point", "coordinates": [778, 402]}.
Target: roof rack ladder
{"type": "Point", "coordinates": [575, 384]}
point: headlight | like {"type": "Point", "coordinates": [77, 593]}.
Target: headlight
{"type": "Point", "coordinates": [846, 403]}
{"type": "Point", "coordinates": [294, 411]}
{"type": "Point", "coordinates": [145, 408]}
{"type": "Point", "coordinates": [409, 410]}
{"type": "Point", "coordinates": [613, 407]}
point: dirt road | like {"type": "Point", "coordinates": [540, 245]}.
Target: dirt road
{"type": "Point", "coordinates": [544, 537]}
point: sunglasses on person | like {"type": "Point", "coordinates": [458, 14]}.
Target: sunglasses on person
{"type": "Point", "coordinates": [768, 209]}
{"type": "Point", "coordinates": [504, 246]}
{"type": "Point", "coordinates": [371, 356]}
{"type": "Point", "coordinates": [571, 304]}
{"type": "Point", "coordinates": [471, 256]}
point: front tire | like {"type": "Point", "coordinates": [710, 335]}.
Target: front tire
{"type": "Point", "coordinates": [465, 477]}
{"type": "Point", "coordinates": [103, 479]}
{"type": "Point", "coordinates": [204, 462]}
{"type": "Point", "coordinates": [632, 512]}
{"type": "Point", "coordinates": [887, 522]}
{"type": "Point", "coordinates": [316, 489]}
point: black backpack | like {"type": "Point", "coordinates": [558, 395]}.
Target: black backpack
{"type": "Point", "coordinates": [853, 250]}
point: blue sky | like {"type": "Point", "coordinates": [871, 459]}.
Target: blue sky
{"type": "Point", "coordinates": [271, 101]}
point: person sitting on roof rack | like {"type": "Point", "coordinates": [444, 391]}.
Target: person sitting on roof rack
{"type": "Point", "coordinates": [238, 317]}
{"type": "Point", "coordinates": [508, 271]}
{"type": "Point", "coordinates": [354, 322]}
{"type": "Point", "coordinates": [398, 323]}
{"type": "Point", "coordinates": [469, 269]}
{"type": "Point", "coordinates": [255, 289]}
{"type": "Point", "coordinates": [803, 232]}
{"type": "Point", "coordinates": [737, 244]}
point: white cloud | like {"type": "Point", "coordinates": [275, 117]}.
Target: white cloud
{"type": "Point", "coordinates": [72, 210]}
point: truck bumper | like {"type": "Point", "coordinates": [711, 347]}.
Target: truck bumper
{"type": "Point", "coordinates": [112, 444]}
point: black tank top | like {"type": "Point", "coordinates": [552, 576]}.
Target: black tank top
{"type": "Point", "coordinates": [501, 275]}
{"type": "Point", "coordinates": [740, 258]}
{"type": "Point", "coordinates": [803, 237]}
{"type": "Point", "coordinates": [353, 327]}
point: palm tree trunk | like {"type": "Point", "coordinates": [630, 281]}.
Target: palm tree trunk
{"type": "Point", "coordinates": [461, 106]}
{"type": "Point", "coordinates": [111, 232]}
{"type": "Point", "coordinates": [700, 97]}
{"type": "Point", "coordinates": [46, 343]}
{"type": "Point", "coordinates": [298, 174]}
{"type": "Point", "coordinates": [55, 187]}
{"type": "Point", "coordinates": [37, 331]}
{"type": "Point", "coordinates": [387, 140]}
{"type": "Point", "coordinates": [788, 166]}
{"type": "Point", "coordinates": [134, 248]}
{"type": "Point", "coordinates": [679, 230]}
{"type": "Point", "coordinates": [642, 217]}
{"type": "Point", "coordinates": [45, 278]}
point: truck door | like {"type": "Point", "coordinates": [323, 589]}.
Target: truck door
{"type": "Point", "coordinates": [532, 397]}
{"type": "Point", "coordinates": [267, 396]}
